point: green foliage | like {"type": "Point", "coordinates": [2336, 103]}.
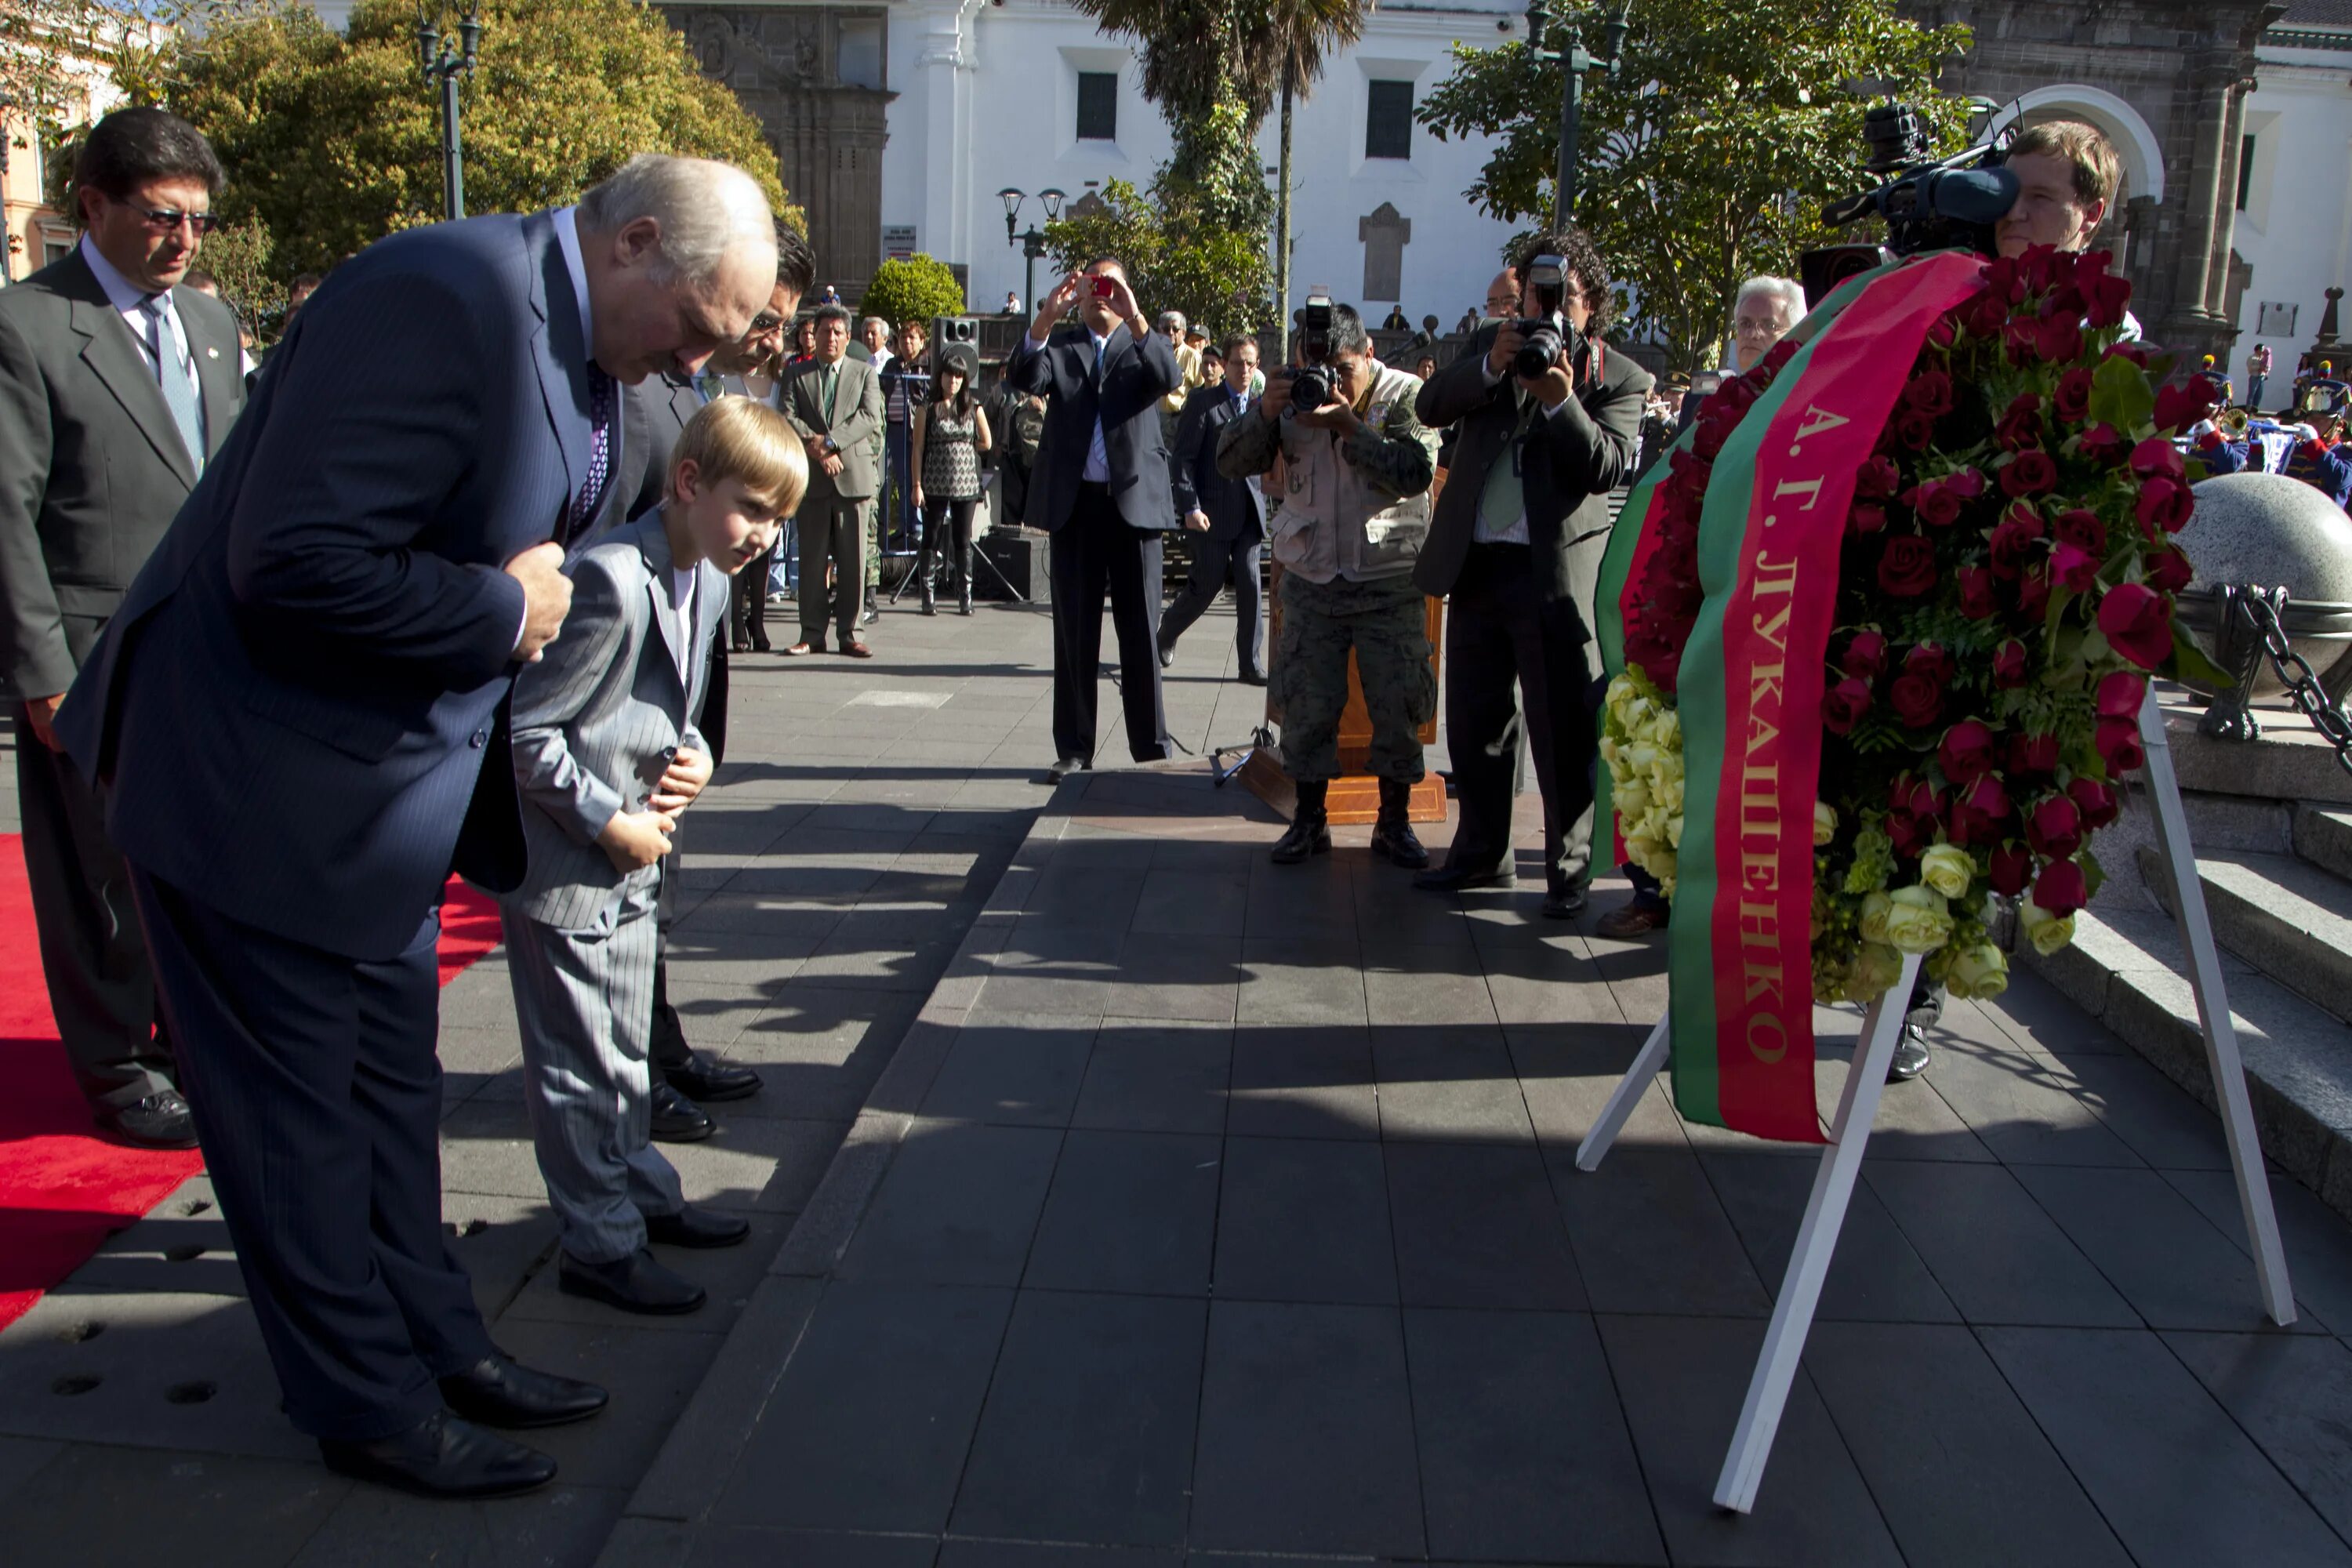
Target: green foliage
{"type": "Point", "coordinates": [1198, 54]}
{"type": "Point", "coordinates": [333, 140]}
{"type": "Point", "coordinates": [914, 290]}
{"type": "Point", "coordinates": [1213, 179]}
{"type": "Point", "coordinates": [1216, 276]}
{"type": "Point", "coordinates": [1708, 158]}
{"type": "Point", "coordinates": [238, 256]}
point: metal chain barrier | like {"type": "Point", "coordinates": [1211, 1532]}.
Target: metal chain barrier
{"type": "Point", "coordinates": [2302, 682]}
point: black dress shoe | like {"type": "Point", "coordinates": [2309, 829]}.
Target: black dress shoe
{"type": "Point", "coordinates": [1167, 655]}
{"type": "Point", "coordinates": [678, 1120]}
{"type": "Point", "coordinates": [700, 1227]}
{"type": "Point", "coordinates": [705, 1077]}
{"type": "Point", "coordinates": [637, 1283]}
{"type": "Point", "coordinates": [1307, 835]}
{"type": "Point", "coordinates": [159, 1122]}
{"type": "Point", "coordinates": [443, 1456]}
{"type": "Point", "coordinates": [1399, 844]}
{"type": "Point", "coordinates": [500, 1391]}
{"type": "Point", "coordinates": [1461, 878]}
{"type": "Point", "coordinates": [1063, 767]}
{"type": "Point", "coordinates": [1252, 678]}
{"type": "Point", "coordinates": [1563, 905]}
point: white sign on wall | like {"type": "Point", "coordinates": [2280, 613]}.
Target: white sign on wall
{"type": "Point", "coordinates": [897, 241]}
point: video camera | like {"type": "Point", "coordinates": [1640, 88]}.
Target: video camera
{"type": "Point", "coordinates": [1926, 203]}
{"type": "Point", "coordinates": [1546, 334]}
{"type": "Point", "coordinates": [1311, 387]}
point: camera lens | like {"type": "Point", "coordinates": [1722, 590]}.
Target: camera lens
{"type": "Point", "coordinates": [1310, 389]}
{"type": "Point", "coordinates": [1539, 353]}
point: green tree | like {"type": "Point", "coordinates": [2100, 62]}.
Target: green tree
{"type": "Point", "coordinates": [238, 256]}
{"type": "Point", "coordinates": [1709, 157]}
{"type": "Point", "coordinates": [1217, 276]}
{"type": "Point", "coordinates": [333, 140]}
{"type": "Point", "coordinates": [914, 290]}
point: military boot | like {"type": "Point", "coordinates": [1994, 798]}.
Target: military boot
{"type": "Point", "coordinates": [1310, 830]}
{"type": "Point", "coordinates": [1392, 837]}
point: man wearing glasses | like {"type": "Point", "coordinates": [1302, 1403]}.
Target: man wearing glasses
{"type": "Point", "coordinates": [118, 383]}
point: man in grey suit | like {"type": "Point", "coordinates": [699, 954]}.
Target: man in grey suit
{"type": "Point", "coordinates": [116, 384]}
{"type": "Point", "coordinates": [835, 404]}
{"type": "Point", "coordinates": [1517, 543]}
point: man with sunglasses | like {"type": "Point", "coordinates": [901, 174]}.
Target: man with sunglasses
{"type": "Point", "coordinates": [118, 383]}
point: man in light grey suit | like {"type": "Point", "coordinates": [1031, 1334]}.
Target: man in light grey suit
{"type": "Point", "coordinates": [835, 404]}
{"type": "Point", "coordinates": [116, 384]}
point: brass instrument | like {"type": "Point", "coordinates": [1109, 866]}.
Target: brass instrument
{"type": "Point", "coordinates": [2234, 423]}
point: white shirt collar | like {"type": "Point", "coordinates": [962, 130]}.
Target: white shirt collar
{"type": "Point", "coordinates": [567, 240]}
{"type": "Point", "coordinates": [120, 292]}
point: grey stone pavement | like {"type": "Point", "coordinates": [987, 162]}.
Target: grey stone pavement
{"type": "Point", "coordinates": [1125, 1199]}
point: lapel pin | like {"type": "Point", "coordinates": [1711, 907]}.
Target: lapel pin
{"type": "Point", "coordinates": [211, 354]}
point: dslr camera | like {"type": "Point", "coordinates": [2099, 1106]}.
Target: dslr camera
{"type": "Point", "coordinates": [1310, 386]}
{"type": "Point", "coordinates": [1548, 333]}
{"type": "Point", "coordinates": [1926, 203]}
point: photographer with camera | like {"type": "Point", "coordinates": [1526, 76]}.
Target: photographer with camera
{"type": "Point", "coordinates": [1549, 420]}
{"type": "Point", "coordinates": [1357, 465]}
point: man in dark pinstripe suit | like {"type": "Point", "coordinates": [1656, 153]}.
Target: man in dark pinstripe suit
{"type": "Point", "coordinates": [300, 710]}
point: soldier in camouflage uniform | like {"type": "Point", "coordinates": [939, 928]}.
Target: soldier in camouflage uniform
{"type": "Point", "coordinates": [1354, 512]}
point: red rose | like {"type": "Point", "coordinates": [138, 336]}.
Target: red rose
{"type": "Point", "coordinates": [2138, 624]}
{"type": "Point", "coordinates": [1979, 811]}
{"type": "Point", "coordinates": [2029, 473]}
{"type": "Point", "coordinates": [2118, 745]}
{"type": "Point", "coordinates": [1936, 504]}
{"type": "Point", "coordinates": [1780, 353]}
{"type": "Point", "coordinates": [2009, 668]}
{"type": "Point", "coordinates": [2080, 527]}
{"type": "Point", "coordinates": [2022, 340]}
{"type": "Point", "coordinates": [1843, 705]}
{"type": "Point", "coordinates": [1917, 700]}
{"type": "Point", "coordinates": [2105, 295]}
{"type": "Point", "coordinates": [2164, 507]}
{"type": "Point", "coordinates": [2021, 424]}
{"type": "Point", "coordinates": [2005, 278]}
{"type": "Point", "coordinates": [1865, 519]}
{"type": "Point", "coordinates": [2012, 868]}
{"type": "Point", "coordinates": [1966, 483]}
{"type": "Point", "coordinates": [2054, 827]}
{"type": "Point", "coordinates": [2170, 572]}
{"type": "Point", "coordinates": [2132, 352]}
{"type": "Point", "coordinates": [2059, 340]}
{"type": "Point", "coordinates": [1707, 441]}
{"type": "Point", "coordinates": [2074, 568]}
{"type": "Point", "coordinates": [1877, 480]}
{"type": "Point", "coordinates": [1984, 314]}
{"type": "Point", "coordinates": [2120, 694]}
{"type": "Point", "coordinates": [1732, 399]}
{"type": "Point", "coordinates": [2013, 538]}
{"type": "Point", "coordinates": [1976, 592]}
{"type": "Point", "coordinates": [1866, 655]}
{"type": "Point", "coordinates": [1929, 392]}
{"type": "Point", "coordinates": [1908, 568]}
{"type": "Point", "coordinates": [2178, 407]}
{"type": "Point", "coordinates": [2065, 300]}
{"type": "Point", "coordinates": [1913, 429]}
{"type": "Point", "coordinates": [1931, 661]}
{"type": "Point", "coordinates": [2154, 455]}
{"type": "Point", "coordinates": [2096, 801]}
{"type": "Point", "coordinates": [2104, 445]}
{"type": "Point", "coordinates": [2046, 267]}
{"type": "Point", "coordinates": [2033, 594]}
{"type": "Point", "coordinates": [2031, 756]}
{"type": "Point", "coordinates": [2072, 400]}
{"type": "Point", "coordinates": [1915, 811]}
{"type": "Point", "coordinates": [1945, 330]}
{"type": "Point", "coordinates": [2060, 889]}
{"type": "Point", "coordinates": [1966, 753]}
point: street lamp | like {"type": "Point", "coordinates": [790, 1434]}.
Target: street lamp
{"type": "Point", "coordinates": [445, 61]}
{"type": "Point", "coordinates": [1575, 60]}
{"type": "Point", "coordinates": [1032, 242]}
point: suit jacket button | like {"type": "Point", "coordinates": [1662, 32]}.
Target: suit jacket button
{"type": "Point", "coordinates": [480, 737]}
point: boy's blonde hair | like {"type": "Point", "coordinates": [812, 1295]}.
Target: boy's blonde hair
{"type": "Point", "coordinates": [740, 438]}
{"type": "Point", "coordinates": [2098, 172]}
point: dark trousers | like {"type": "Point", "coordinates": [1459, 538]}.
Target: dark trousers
{"type": "Point", "coordinates": [1504, 643]}
{"type": "Point", "coordinates": [832, 529]}
{"type": "Point", "coordinates": [947, 526]}
{"type": "Point", "coordinates": [1213, 559]}
{"type": "Point", "coordinates": [100, 988]}
{"type": "Point", "coordinates": [1095, 552]}
{"type": "Point", "coordinates": [317, 1093]}
{"type": "Point", "coordinates": [749, 589]}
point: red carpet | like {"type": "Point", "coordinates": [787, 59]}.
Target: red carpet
{"type": "Point", "coordinates": [64, 1190]}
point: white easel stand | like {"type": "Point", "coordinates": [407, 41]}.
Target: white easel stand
{"type": "Point", "coordinates": [1882, 1026]}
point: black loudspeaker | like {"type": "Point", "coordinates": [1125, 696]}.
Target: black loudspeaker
{"type": "Point", "coordinates": [957, 339]}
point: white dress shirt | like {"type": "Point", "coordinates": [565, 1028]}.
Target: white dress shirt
{"type": "Point", "coordinates": [567, 240]}
{"type": "Point", "coordinates": [131, 302]}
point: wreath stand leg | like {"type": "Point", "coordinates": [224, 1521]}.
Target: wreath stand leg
{"type": "Point", "coordinates": [1629, 1092]}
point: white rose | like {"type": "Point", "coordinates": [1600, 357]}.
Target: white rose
{"type": "Point", "coordinates": [1947, 869]}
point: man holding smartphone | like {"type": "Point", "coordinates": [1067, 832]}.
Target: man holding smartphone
{"type": "Point", "coordinates": [1100, 490]}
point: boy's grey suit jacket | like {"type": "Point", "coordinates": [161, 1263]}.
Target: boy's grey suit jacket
{"type": "Point", "coordinates": [599, 717]}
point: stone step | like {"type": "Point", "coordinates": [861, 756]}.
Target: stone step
{"type": "Point", "coordinates": [2288, 918]}
{"type": "Point", "coordinates": [2323, 835]}
{"type": "Point", "coordinates": [2291, 762]}
{"type": "Point", "coordinates": [2128, 970]}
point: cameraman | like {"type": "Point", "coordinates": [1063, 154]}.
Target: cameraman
{"type": "Point", "coordinates": [1355, 510]}
{"type": "Point", "coordinates": [1517, 543]}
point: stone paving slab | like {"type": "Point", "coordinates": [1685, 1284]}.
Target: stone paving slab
{"type": "Point", "coordinates": [1314, 1276]}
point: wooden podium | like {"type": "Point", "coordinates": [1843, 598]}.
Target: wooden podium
{"type": "Point", "coordinates": [1355, 795]}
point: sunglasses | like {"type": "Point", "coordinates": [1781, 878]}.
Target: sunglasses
{"type": "Point", "coordinates": [163, 220]}
{"type": "Point", "coordinates": [764, 323]}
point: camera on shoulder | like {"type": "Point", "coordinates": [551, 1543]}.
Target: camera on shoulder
{"type": "Point", "coordinates": [1310, 386]}
{"type": "Point", "coordinates": [1547, 336]}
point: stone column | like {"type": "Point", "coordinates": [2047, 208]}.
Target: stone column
{"type": "Point", "coordinates": [2187, 325]}
{"type": "Point", "coordinates": [2225, 202]}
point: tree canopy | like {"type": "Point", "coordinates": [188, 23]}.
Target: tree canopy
{"type": "Point", "coordinates": [1708, 158]}
{"type": "Point", "coordinates": [914, 289]}
{"type": "Point", "coordinates": [1217, 275]}
{"type": "Point", "coordinates": [333, 140]}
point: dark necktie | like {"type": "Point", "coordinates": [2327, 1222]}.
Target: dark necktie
{"type": "Point", "coordinates": [603, 395]}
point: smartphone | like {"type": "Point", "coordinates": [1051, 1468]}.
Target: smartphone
{"type": "Point", "coordinates": [1104, 287]}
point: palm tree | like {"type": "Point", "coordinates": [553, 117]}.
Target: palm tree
{"type": "Point", "coordinates": [1285, 45]}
